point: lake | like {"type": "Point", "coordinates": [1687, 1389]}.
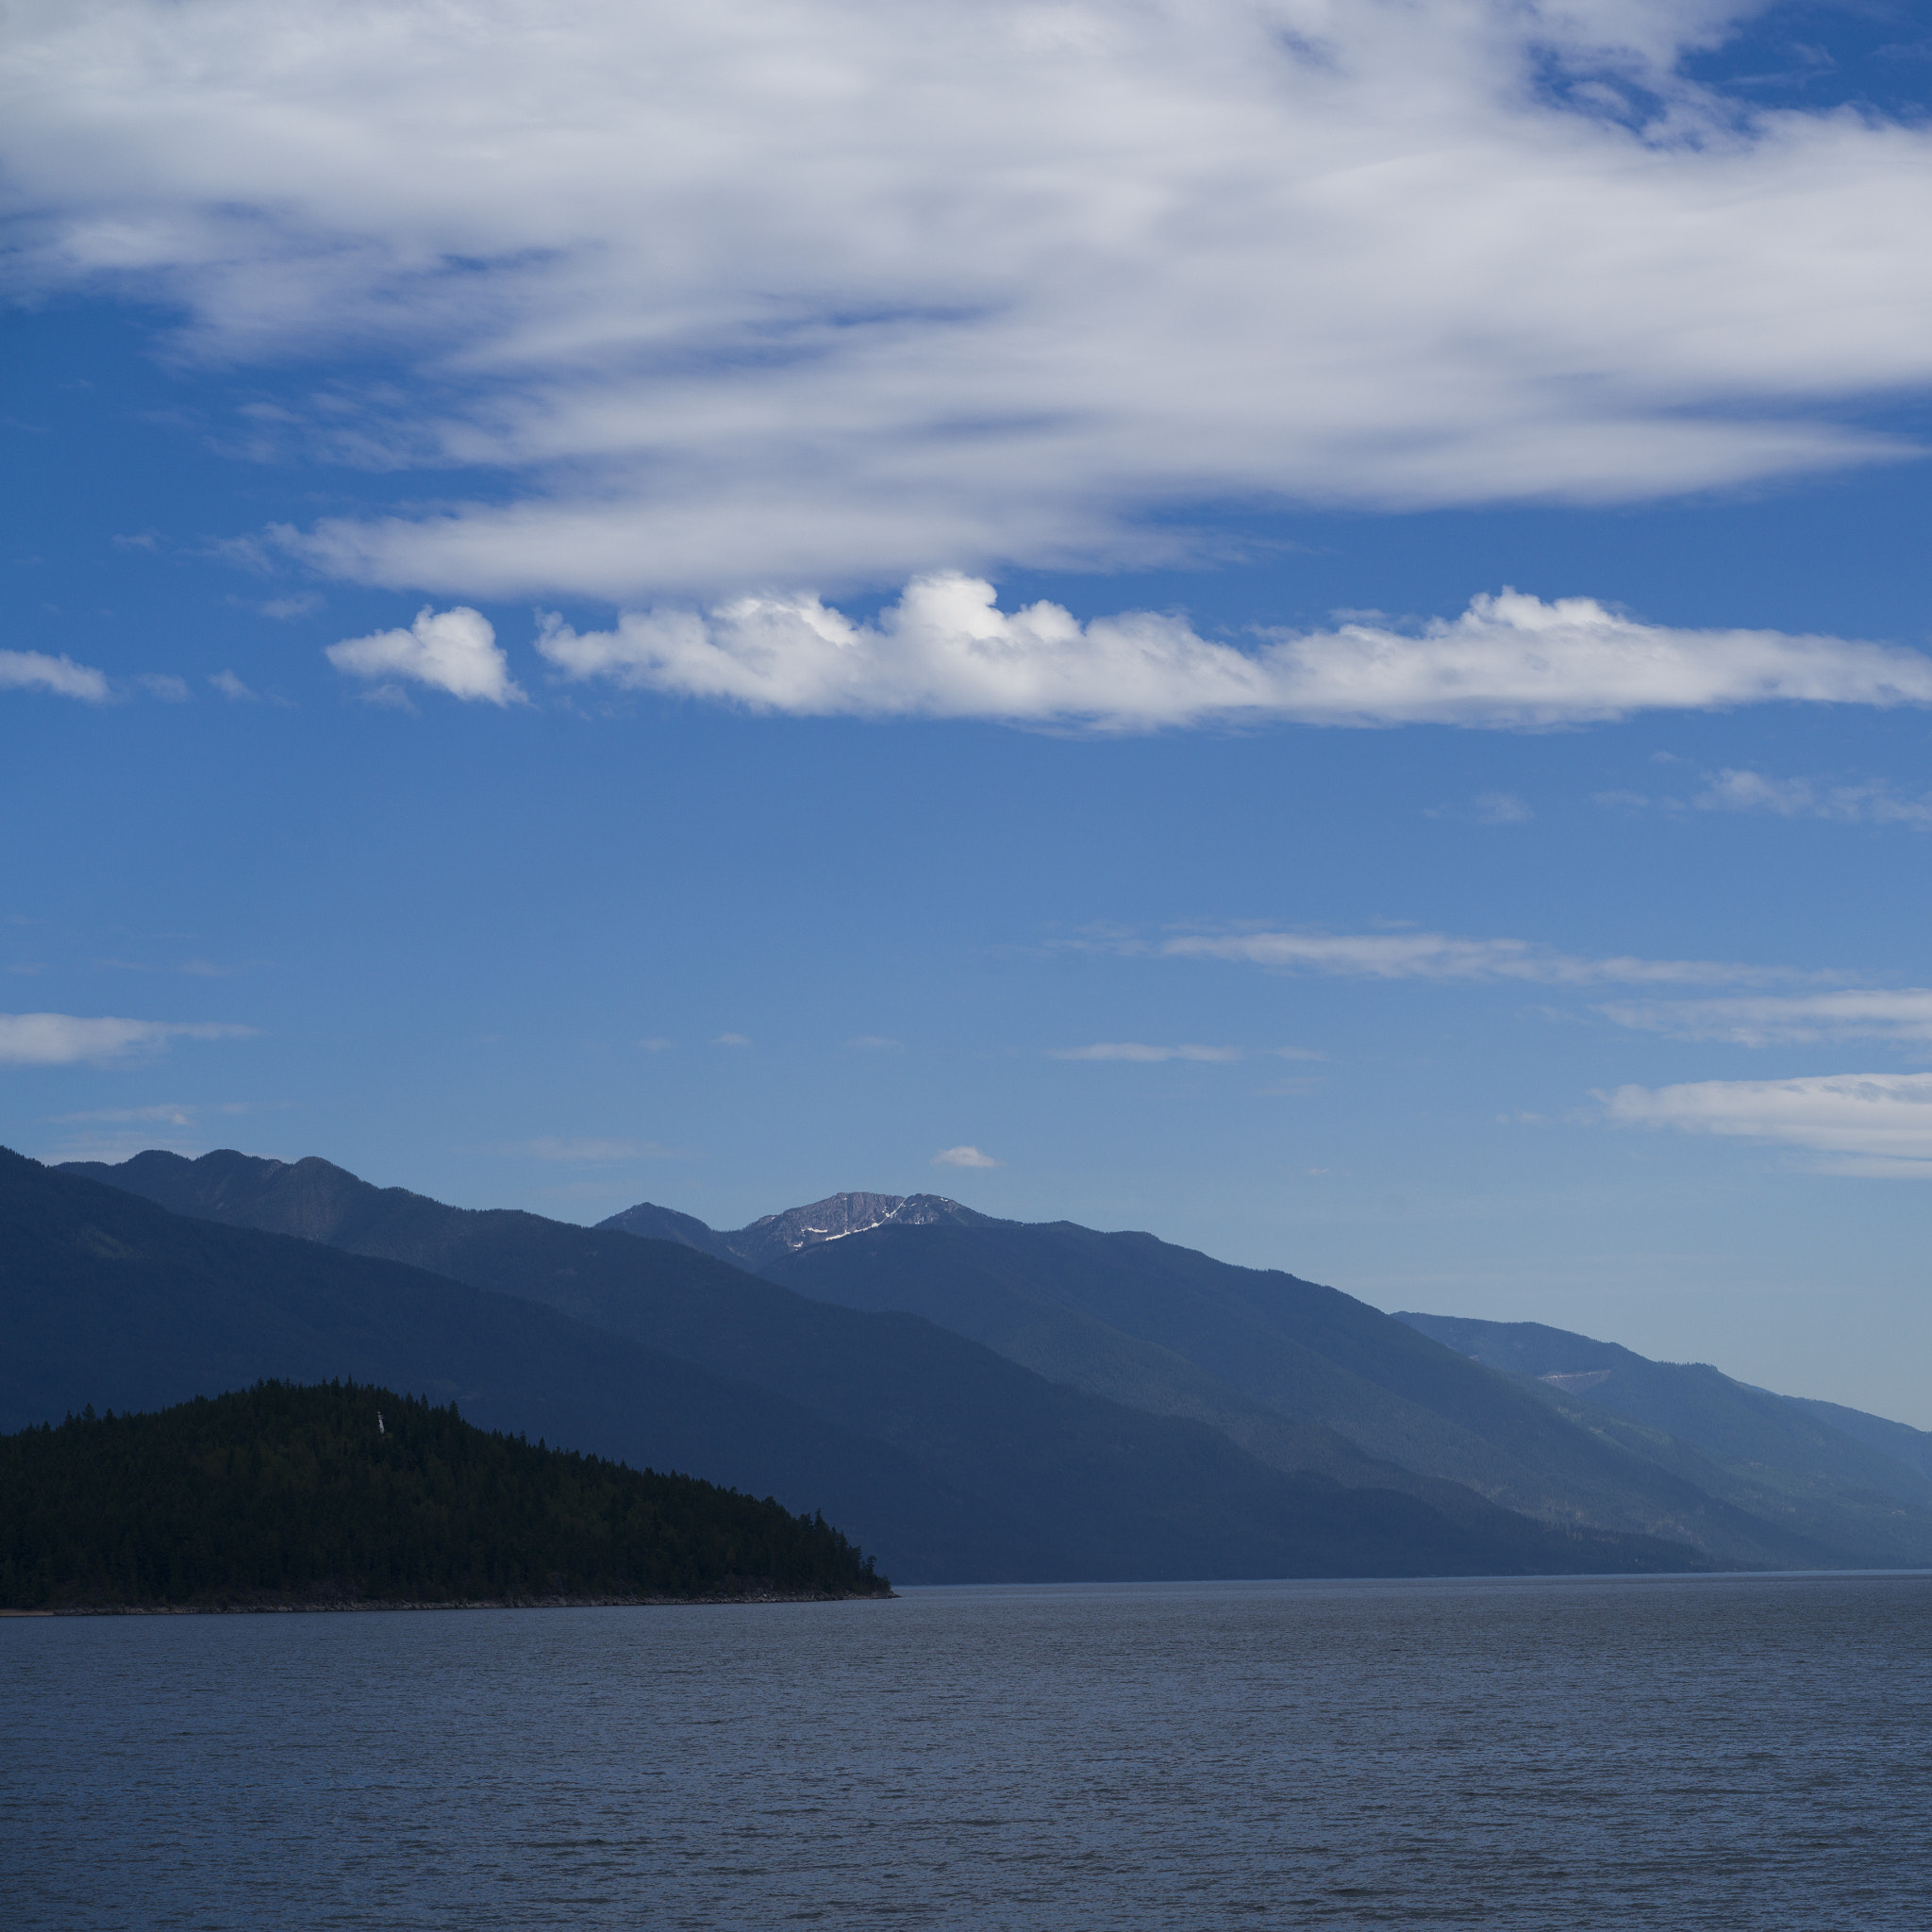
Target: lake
{"type": "Point", "coordinates": [1727, 1752]}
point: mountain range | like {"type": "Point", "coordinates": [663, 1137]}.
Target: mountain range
{"type": "Point", "coordinates": [975, 1398]}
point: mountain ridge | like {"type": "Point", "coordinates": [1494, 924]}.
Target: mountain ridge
{"type": "Point", "coordinates": [1092, 1488]}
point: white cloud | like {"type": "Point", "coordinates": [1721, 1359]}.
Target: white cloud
{"type": "Point", "coordinates": [1903, 1016]}
{"type": "Point", "coordinates": [1133, 1050]}
{"type": "Point", "coordinates": [1867, 1123]}
{"type": "Point", "coordinates": [231, 687]}
{"type": "Point", "coordinates": [591, 1151]}
{"type": "Point", "coordinates": [813, 291]}
{"type": "Point", "coordinates": [964, 1157]}
{"type": "Point", "coordinates": [947, 650]}
{"type": "Point", "coordinates": [657, 1043]}
{"type": "Point", "coordinates": [731, 1040]}
{"type": "Point", "coordinates": [452, 650]}
{"type": "Point", "coordinates": [1438, 956]}
{"type": "Point", "coordinates": [1874, 802]}
{"type": "Point", "coordinates": [165, 686]}
{"type": "Point", "coordinates": [35, 671]}
{"type": "Point", "coordinates": [50, 1040]}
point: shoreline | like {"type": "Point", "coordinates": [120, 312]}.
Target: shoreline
{"type": "Point", "coordinates": [526, 1602]}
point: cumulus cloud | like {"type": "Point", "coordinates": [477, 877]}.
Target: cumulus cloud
{"type": "Point", "coordinates": [814, 292]}
{"type": "Point", "coordinates": [50, 1040]}
{"type": "Point", "coordinates": [1903, 1016]}
{"type": "Point", "coordinates": [945, 649]}
{"type": "Point", "coordinates": [35, 671]}
{"type": "Point", "coordinates": [1134, 1050]}
{"type": "Point", "coordinates": [1441, 956]}
{"type": "Point", "coordinates": [1866, 1123]}
{"type": "Point", "coordinates": [964, 1157]}
{"type": "Point", "coordinates": [450, 650]}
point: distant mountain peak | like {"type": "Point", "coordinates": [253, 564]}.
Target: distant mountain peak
{"type": "Point", "coordinates": [838, 1215]}
{"type": "Point", "coordinates": [771, 1237]}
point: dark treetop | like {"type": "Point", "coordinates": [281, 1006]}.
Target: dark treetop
{"type": "Point", "coordinates": [345, 1493]}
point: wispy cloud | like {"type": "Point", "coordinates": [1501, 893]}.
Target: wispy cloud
{"type": "Point", "coordinates": [1872, 1123]}
{"type": "Point", "coordinates": [1356, 255]}
{"type": "Point", "coordinates": [450, 650]}
{"type": "Point", "coordinates": [1441, 956]}
{"type": "Point", "coordinates": [1903, 1016]}
{"type": "Point", "coordinates": [945, 649]}
{"type": "Point", "coordinates": [50, 1040]}
{"type": "Point", "coordinates": [1134, 1050]}
{"type": "Point", "coordinates": [35, 671]}
{"type": "Point", "coordinates": [1486, 808]}
{"type": "Point", "coordinates": [1873, 803]}
{"type": "Point", "coordinates": [964, 1157]}
{"type": "Point", "coordinates": [731, 1040]}
{"type": "Point", "coordinates": [589, 1150]}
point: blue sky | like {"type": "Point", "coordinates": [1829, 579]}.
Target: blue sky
{"type": "Point", "coordinates": [1455, 830]}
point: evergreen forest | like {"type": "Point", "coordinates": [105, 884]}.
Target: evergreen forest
{"type": "Point", "coordinates": [341, 1494]}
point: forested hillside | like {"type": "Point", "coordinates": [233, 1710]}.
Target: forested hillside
{"type": "Point", "coordinates": [339, 1494]}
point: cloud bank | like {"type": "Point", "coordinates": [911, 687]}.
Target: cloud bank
{"type": "Point", "coordinates": [945, 649]}
{"type": "Point", "coordinates": [52, 1040]}
{"type": "Point", "coordinates": [824, 292]}
{"type": "Point", "coordinates": [1873, 1123]}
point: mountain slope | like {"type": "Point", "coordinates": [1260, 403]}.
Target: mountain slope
{"type": "Point", "coordinates": [1304, 1352]}
{"type": "Point", "coordinates": [1768, 1453]}
{"type": "Point", "coordinates": [1099, 1490]}
{"type": "Point", "coordinates": [107, 1299]}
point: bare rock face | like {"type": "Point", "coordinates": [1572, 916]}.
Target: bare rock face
{"type": "Point", "coordinates": [774, 1235]}
{"type": "Point", "coordinates": [771, 1237]}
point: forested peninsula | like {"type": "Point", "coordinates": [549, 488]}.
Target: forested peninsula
{"type": "Point", "coordinates": [345, 1496]}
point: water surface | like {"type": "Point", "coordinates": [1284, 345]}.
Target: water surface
{"type": "Point", "coordinates": [1721, 1751]}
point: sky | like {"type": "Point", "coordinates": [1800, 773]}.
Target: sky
{"type": "Point", "coordinates": [1300, 623]}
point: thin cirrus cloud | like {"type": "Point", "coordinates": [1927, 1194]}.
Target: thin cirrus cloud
{"type": "Point", "coordinates": [589, 1151]}
{"type": "Point", "coordinates": [837, 292]}
{"type": "Point", "coordinates": [53, 1040]}
{"type": "Point", "coordinates": [964, 1157]}
{"type": "Point", "coordinates": [1862, 1124]}
{"type": "Point", "coordinates": [1904, 1017]}
{"type": "Point", "coordinates": [62, 676]}
{"type": "Point", "coordinates": [1872, 801]}
{"type": "Point", "coordinates": [945, 649]}
{"type": "Point", "coordinates": [1134, 1050]}
{"type": "Point", "coordinates": [1434, 956]}
{"type": "Point", "coordinates": [455, 651]}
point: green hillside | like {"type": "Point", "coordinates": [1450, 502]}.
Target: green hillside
{"type": "Point", "coordinates": [343, 1493]}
